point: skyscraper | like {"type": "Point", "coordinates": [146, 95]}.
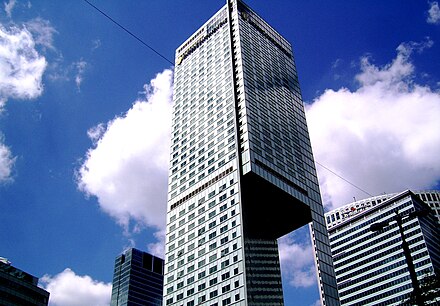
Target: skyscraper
{"type": "Point", "coordinates": [370, 267]}
{"type": "Point", "coordinates": [20, 288]}
{"type": "Point", "coordinates": [137, 279]}
{"type": "Point", "coordinates": [242, 171]}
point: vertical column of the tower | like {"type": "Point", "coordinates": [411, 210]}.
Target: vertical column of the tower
{"type": "Point", "coordinates": [263, 274]}
{"type": "Point", "coordinates": [323, 258]}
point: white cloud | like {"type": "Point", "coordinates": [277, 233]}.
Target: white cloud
{"type": "Point", "coordinates": [6, 162]}
{"type": "Point", "coordinates": [96, 44]}
{"type": "Point", "coordinates": [317, 303]}
{"type": "Point", "coordinates": [297, 262]}
{"type": "Point", "coordinates": [9, 6]}
{"type": "Point", "coordinates": [127, 168]}
{"type": "Point", "coordinates": [382, 137]}
{"type": "Point", "coordinates": [69, 289]}
{"type": "Point", "coordinates": [80, 68]}
{"type": "Point", "coordinates": [158, 248]}
{"type": "Point", "coordinates": [21, 67]}
{"type": "Point", "coordinates": [433, 13]}
{"type": "Point", "coordinates": [42, 31]}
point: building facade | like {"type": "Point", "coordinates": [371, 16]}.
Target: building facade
{"type": "Point", "coordinates": [137, 279]}
{"type": "Point", "coordinates": [20, 288]}
{"type": "Point", "coordinates": [370, 267]}
{"type": "Point", "coordinates": [241, 171]}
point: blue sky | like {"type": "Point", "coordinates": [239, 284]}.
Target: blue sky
{"type": "Point", "coordinates": [85, 113]}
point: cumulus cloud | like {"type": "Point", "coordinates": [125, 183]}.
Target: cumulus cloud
{"type": "Point", "coordinates": [9, 6]}
{"type": "Point", "coordinates": [383, 136]}
{"type": "Point", "coordinates": [297, 262]}
{"type": "Point", "coordinates": [158, 248]}
{"type": "Point", "coordinates": [127, 167]}
{"type": "Point", "coordinates": [6, 162]}
{"type": "Point", "coordinates": [433, 13]}
{"type": "Point", "coordinates": [21, 66]}
{"type": "Point", "coordinates": [70, 289]}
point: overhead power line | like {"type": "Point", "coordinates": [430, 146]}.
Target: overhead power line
{"type": "Point", "coordinates": [345, 180]}
{"type": "Point", "coordinates": [162, 56]}
{"type": "Point", "coordinates": [129, 32]}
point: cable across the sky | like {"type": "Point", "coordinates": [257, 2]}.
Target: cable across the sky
{"type": "Point", "coordinates": [129, 32]}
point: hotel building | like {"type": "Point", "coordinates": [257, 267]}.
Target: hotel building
{"type": "Point", "coordinates": [242, 172]}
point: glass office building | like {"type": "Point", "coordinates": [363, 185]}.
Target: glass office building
{"type": "Point", "coordinates": [20, 288]}
{"type": "Point", "coordinates": [241, 171]}
{"type": "Point", "coordinates": [370, 267]}
{"type": "Point", "coordinates": [137, 279]}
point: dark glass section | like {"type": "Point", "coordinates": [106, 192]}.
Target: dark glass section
{"type": "Point", "coordinates": [263, 275]}
{"type": "Point", "coordinates": [20, 288]}
{"type": "Point", "coordinates": [137, 279]}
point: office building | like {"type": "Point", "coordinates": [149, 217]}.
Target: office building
{"type": "Point", "coordinates": [241, 171]}
{"type": "Point", "coordinates": [137, 279]}
{"type": "Point", "coordinates": [370, 267]}
{"type": "Point", "coordinates": [20, 288]}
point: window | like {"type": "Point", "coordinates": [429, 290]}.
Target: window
{"type": "Point", "coordinates": [202, 274]}
{"type": "Point", "coordinates": [224, 252]}
{"type": "Point", "coordinates": [179, 296]}
{"type": "Point", "coordinates": [226, 288]}
{"type": "Point", "coordinates": [226, 276]}
{"type": "Point", "coordinates": [212, 269]}
{"type": "Point", "coordinates": [212, 294]}
{"type": "Point", "coordinates": [225, 264]}
{"type": "Point", "coordinates": [213, 281]}
{"type": "Point", "coordinates": [180, 263]}
{"type": "Point", "coordinates": [223, 218]}
{"type": "Point", "coordinates": [201, 287]}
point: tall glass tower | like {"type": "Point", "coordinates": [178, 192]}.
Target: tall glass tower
{"type": "Point", "coordinates": [242, 171]}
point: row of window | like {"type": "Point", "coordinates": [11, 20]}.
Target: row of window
{"type": "Point", "coordinates": [370, 276]}
{"type": "Point", "coordinates": [357, 240]}
{"type": "Point", "coordinates": [358, 254]}
{"type": "Point", "coordinates": [356, 270]}
{"type": "Point", "coordinates": [364, 225]}
{"type": "Point", "coordinates": [202, 299]}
